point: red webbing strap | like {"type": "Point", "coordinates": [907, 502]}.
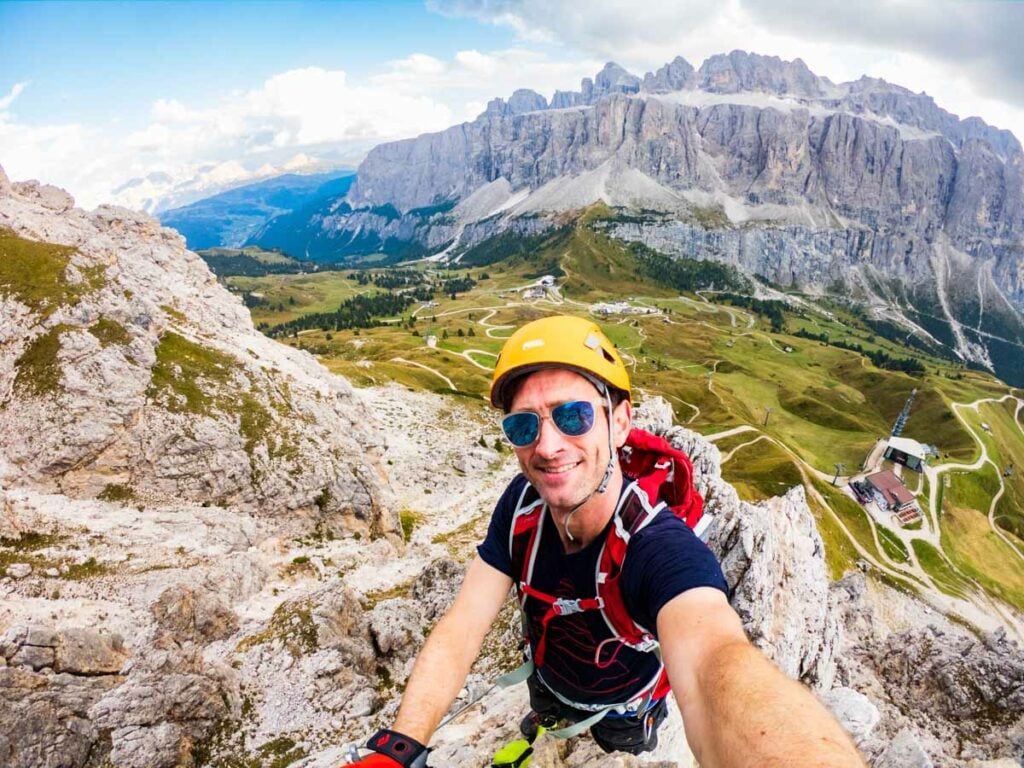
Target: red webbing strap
{"type": "Point", "coordinates": [612, 556]}
{"type": "Point", "coordinates": [556, 607]}
{"type": "Point", "coordinates": [524, 539]}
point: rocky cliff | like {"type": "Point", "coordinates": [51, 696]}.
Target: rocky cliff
{"type": "Point", "coordinates": [127, 372]}
{"type": "Point", "coordinates": [748, 160]}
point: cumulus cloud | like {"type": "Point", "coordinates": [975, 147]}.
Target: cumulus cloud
{"type": "Point", "coordinates": [966, 55]}
{"type": "Point", "coordinates": [315, 113]}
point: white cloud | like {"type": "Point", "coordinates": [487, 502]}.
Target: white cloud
{"type": "Point", "coordinates": [473, 77]}
{"type": "Point", "coordinates": [14, 93]}
{"type": "Point", "coordinates": [963, 55]}
{"type": "Point", "coordinates": [304, 110]}
{"type": "Point", "coordinates": [315, 111]}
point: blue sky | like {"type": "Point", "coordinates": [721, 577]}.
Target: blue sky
{"type": "Point", "coordinates": [77, 55]}
{"type": "Point", "coordinates": [144, 102]}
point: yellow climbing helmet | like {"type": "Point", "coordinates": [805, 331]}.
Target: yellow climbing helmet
{"type": "Point", "coordinates": [560, 341]}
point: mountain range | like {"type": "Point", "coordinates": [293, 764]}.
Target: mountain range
{"type": "Point", "coordinates": [863, 189]}
{"type": "Point", "coordinates": [175, 187]}
{"type": "Point", "coordinates": [230, 218]}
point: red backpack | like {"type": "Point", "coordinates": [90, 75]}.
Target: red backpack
{"type": "Point", "coordinates": [663, 474]}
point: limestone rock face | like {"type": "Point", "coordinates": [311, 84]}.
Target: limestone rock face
{"type": "Point", "coordinates": [52, 717]}
{"type": "Point", "coordinates": [435, 588]}
{"type": "Point", "coordinates": [193, 615]}
{"type": "Point", "coordinates": [133, 374]}
{"type": "Point", "coordinates": [75, 651]}
{"type": "Point", "coordinates": [674, 76]}
{"type": "Point", "coordinates": [968, 690]}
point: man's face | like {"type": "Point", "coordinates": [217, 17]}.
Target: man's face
{"type": "Point", "coordinates": [565, 470]}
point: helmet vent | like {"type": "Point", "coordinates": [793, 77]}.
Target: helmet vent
{"type": "Point", "coordinates": [607, 356]}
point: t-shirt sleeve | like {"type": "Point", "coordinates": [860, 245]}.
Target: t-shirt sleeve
{"type": "Point", "coordinates": [494, 548]}
{"type": "Point", "coordinates": [662, 561]}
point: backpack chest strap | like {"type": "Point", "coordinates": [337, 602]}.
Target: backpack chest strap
{"type": "Point", "coordinates": [557, 606]}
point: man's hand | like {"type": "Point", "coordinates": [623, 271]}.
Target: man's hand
{"type": "Point", "coordinates": [738, 709]}
{"type": "Point", "coordinates": [395, 750]}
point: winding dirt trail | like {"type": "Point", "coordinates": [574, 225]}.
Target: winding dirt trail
{"type": "Point", "coordinates": [434, 371]}
{"type": "Point", "coordinates": [934, 473]}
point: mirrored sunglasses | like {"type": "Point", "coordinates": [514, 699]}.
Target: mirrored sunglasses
{"type": "Point", "coordinates": [572, 419]}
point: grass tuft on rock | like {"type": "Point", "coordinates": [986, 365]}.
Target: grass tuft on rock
{"type": "Point", "coordinates": [191, 378]}
{"type": "Point", "coordinates": [187, 375]}
{"type": "Point", "coordinates": [110, 332]}
{"type": "Point", "coordinates": [409, 520]}
{"type": "Point", "coordinates": [36, 274]}
{"type": "Point", "coordinates": [117, 493]}
{"type": "Point", "coordinates": [39, 371]}
{"type": "Point", "coordinates": [292, 624]}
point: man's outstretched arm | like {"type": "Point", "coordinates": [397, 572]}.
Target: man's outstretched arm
{"type": "Point", "coordinates": [738, 708]}
{"type": "Point", "coordinates": [451, 649]}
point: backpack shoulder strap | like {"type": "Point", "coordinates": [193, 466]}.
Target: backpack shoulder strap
{"type": "Point", "coordinates": [634, 513]}
{"type": "Point", "coordinates": [524, 532]}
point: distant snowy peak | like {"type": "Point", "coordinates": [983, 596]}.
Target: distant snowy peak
{"type": "Point", "coordinates": [164, 190]}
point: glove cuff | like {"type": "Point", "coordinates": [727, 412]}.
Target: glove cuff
{"type": "Point", "coordinates": [403, 749]}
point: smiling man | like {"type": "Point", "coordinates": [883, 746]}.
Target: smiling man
{"type": "Point", "coordinates": [622, 601]}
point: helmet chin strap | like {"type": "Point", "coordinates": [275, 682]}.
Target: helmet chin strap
{"type": "Point", "coordinates": [609, 470]}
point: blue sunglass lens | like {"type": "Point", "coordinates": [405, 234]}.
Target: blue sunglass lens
{"type": "Point", "coordinates": [521, 429]}
{"type": "Point", "coordinates": [574, 418]}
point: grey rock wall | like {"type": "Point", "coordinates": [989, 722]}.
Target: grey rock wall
{"type": "Point", "coordinates": [150, 379]}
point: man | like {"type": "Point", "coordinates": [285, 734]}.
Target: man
{"type": "Point", "coordinates": [566, 396]}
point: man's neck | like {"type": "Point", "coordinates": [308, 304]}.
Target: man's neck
{"type": "Point", "coordinates": [587, 522]}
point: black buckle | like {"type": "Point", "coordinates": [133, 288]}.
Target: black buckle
{"type": "Point", "coordinates": [399, 747]}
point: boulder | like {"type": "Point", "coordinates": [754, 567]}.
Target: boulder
{"type": "Point", "coordinates": [435, 588]}
{"type": "Point", "coordinates": [397, 627]}
{"type": "Point", "coordinates": [853, 710]}
{"type": "Point", "coordinates": [19, 570]}
{"type": "Point", "coordinates": [194, 615]}
{"type": "Point", "coordinates": [82, 651]}
{"type": "Point", "coordinates": [904, 751]}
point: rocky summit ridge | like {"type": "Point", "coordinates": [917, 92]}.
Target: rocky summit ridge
{"type": "Point", "coordinates": [161, 607]}
{"type": "Point", "coordinates": [863, 188]}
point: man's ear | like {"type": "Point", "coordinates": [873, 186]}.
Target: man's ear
{"type": "Point", "coordinates": [623, 420]}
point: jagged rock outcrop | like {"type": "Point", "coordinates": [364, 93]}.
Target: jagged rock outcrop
{"type": "Point", "coordinates": [127, 371]}
{"type": "Point", "coordinates": [674, 76]}
{"type": "Point", "coordinates": [945, 696]}
{"type": "Point", "coordinates": [52, 716]}
{"type": "Point", "coordinates": [521, 101]}
{"type": "Point", "coordinates": [741, 71]}
{"type": "Point", "coordinates": [75, 651]}
{"type": "Point", "coordinates": [171, 701]}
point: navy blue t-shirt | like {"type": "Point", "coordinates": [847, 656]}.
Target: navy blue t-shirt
{"type": "Point", "coordinates": [663, 560]}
